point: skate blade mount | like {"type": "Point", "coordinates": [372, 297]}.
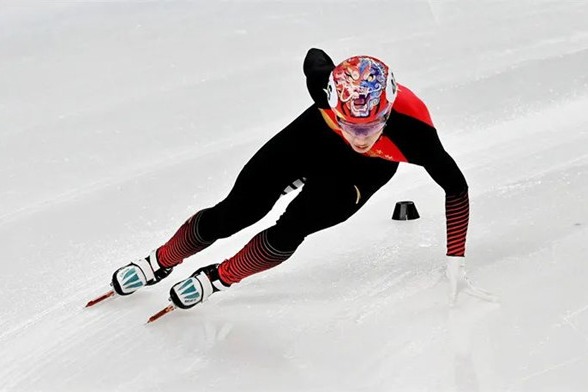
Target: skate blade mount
{"type": "Point", "coordinates": [161, 313]}
{"type": "Point", "coordinates": [100, 298]}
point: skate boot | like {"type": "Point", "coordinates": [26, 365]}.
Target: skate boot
{"type": "Point", "coordinates": [197, 288]}
{"type": "Point", "coordinates": [144, 272]}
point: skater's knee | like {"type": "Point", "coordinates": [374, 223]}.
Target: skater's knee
{"type": "Point", "coordinates": [284, 239]}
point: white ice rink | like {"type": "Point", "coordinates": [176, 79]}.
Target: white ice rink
{"type": "Point", "coordinates": [119, 120]}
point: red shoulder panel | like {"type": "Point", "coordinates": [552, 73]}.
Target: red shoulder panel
{"type": "Point", "coordinates": [409, 104]}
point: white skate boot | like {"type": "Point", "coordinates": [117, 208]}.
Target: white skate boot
{"type": "Point", "coordinates": [143, 272]}
{"type": "Point", "coordinates": [197, 288]}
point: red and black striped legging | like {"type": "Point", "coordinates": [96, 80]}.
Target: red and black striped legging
{"type": "Point", "coordinates": [338, 183]}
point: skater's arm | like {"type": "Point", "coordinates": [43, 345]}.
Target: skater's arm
{"type": "Point", "coordinates": [317, 68]}
{"type": "Point", "coordinates": [445, 172]}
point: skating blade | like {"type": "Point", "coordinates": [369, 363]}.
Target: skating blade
{"type": "Point", "coordinates": [100, 298]}
{"type": "Point", "coordinates": [161, 313]}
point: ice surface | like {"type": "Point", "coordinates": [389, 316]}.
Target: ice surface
{"type": "Point", "coordinates": [118, 120]}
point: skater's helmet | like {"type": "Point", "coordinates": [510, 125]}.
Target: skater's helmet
{"type": "Point", "coordinates": [361, 92]}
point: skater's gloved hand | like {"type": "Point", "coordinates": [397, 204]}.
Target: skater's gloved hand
{"type": "Point", "coordinates": [459, 282]}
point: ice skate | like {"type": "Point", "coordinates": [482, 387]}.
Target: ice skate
{"type": "Point", "coordinates": [197, 288]}
{"type": "Point", "coordinates": [143, 272]}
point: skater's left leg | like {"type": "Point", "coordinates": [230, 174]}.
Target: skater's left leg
{"type": "Point", "coordinates": [318, 206]}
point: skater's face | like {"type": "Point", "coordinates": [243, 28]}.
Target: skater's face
{"type": "Point", "coordinates": [362, 136]}
{"type": "Point", "coordinates": [362, 143]}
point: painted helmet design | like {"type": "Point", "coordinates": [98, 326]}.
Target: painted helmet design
{"type": "Point", "coordinates": [361, 92]}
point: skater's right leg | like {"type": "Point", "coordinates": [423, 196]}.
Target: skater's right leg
{"type": "Point", "coordinates": [275, 167]}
